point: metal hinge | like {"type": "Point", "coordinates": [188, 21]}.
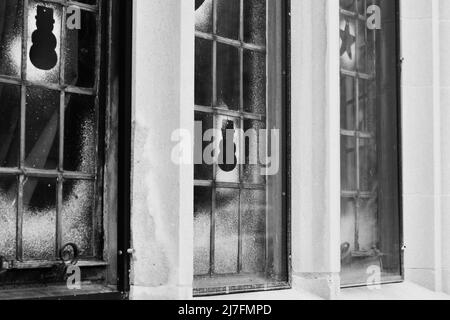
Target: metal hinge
{"type": "Point", "coordinates": [129, 252]}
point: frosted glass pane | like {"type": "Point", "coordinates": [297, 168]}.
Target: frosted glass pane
{"type": "Point", "coordinates": [80, 134]}
{"type": "Point", "coordinates": [228, 77]}
{"type": "Point", "coordinates": [42, 127]}
{"type": "Point", "coordinates": [368, 165]}
{"type": "Point", "coordinates": [367, 106]}
{"type": "Point", "coordinates": [254, 82]}
{"type": "Point", "coordinates": [8, 213]}
{"type": "Point", "coordinates": [9, 125]}
{"type": "Point", "coordinates": [80, 52]}
{"type": "Point", "coordinates": [203, 15]}
{"type": "Point", "coordinates": [203, 171]}
{"type": "Point", "coordinates": [255, 22]}
{"type": "Point", "coordinates": [348, 228]}
{"type": "Point", "coordinates": [348, 103]}
{"type": "Point", "coordinates": [253, 206]}
{"type": "Point", "coordinates": [202, 230]}
{"type": "Point", "coordinates": [228, 13]}
{"type": "Point", "coordinates": [11, 17]}
{"type": "Point", "coordinates": [252, 170]}
{"type": "Point", "coordinates": [348, 163]}
{"type": "Point", "coordinates": [39, 219]}
{"type": "Point", "coordinates": [203, 72]}
{"type": "Point", "coordinates": [368, 225]}
{"type": "Point", "coordinates": [77, 215]}
{"type": "Point", "coordinates": [227, 234]}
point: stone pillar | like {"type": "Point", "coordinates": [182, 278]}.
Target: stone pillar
{"type": "Point", "coordinates": [445, 139]}
{"type": "Point", "coordinates": [315, 146]}
{"type": "Point", "coordinates": [421, 133]}
{"type": "Point", "coordinates": [163, 91]}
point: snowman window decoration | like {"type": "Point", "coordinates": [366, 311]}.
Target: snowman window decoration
{"type": "Point", "coordinates": [44, 43]}
{"type": "Point", "coordinates": [42, 53]}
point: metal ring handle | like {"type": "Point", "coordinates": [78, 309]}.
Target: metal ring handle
{"type": "Point", "coordinates": [75, 252]}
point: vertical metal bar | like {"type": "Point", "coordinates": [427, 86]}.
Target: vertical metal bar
{"type": "Point", "coordinates": [60, 181]}
{"type": "Point", "coordinates": [269, 49]}
{"type": "Point", "coordinates": [214, 104]}
{"type": "Point", "coordinates": [98, 46]}
{"type": "Point", "coordinates": [19, 226]}
{"type": "Point", "coordinates": [98, 170]}
{"type": "Point", "coordinates": [23, 87]}
{"type": "Point", "coordinates": [241, 180]}
{"type": "Point", "coordinates": [24, 41]}
{"type": "Point", "coordinates": [241, 56]}
{"type": "Point", "coordinates": [366, 68]}
{"type": "Point", "coordinates": [370, 82]}
{"type": "Point", "coordinates": [59, 222]}
{"type": "Point", "coordinates": [62, 53]}
{"type": "Point", "coordinates": [214, 55]}
{"type": "Point", "coordinates": [357, 128]}
{"type": "Point", "coordinates": [241, 139]}
{"type": "Point", "coordinates": [62, 109]}
{"type": "Point", "coordinates": [366, 43]}
{"type": "Point", "coordinates": [346, 106]}
{"type": "Point", "coordinates": [239, 257]}
{"type": "Point", "coordinates": [375, 131]}
{"type": "Point", "coordinates": [212, 266]}
{"type": "Point", "coordinates": [19, 220]}
{"type": "Point", "coordinates": [23, 95]}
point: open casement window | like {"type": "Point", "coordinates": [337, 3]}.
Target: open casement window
{"type": "Point", "coordinates": [370, 211]}
{"type": "Point", "coordinates": [57, 113]}
{"type": "Point", "coordinates": [239, 214]}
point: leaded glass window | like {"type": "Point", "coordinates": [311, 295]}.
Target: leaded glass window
{"type": "Point", "coordinates": [370, 213]}
{"type": "Point", "coordinates": [239, 216]}
{"type": "Point", "coordinates": [51, 131]}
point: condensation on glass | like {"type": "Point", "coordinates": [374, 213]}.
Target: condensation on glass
{"type": "Point", "coordinates": [240, 225]}
{"type": "Point", "coordinates": [49, 130]}
{"type": "Point", "coordinates": [370, 213]}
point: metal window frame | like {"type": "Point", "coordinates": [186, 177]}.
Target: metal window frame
{"type": "Point", "coordinates": [357, 194]}
{"type": "Point", "coordinates": [114, 84]}
{"type": "Point", "coordinates": [124, 45]}
{"type": "Point", "coordinates": [357, 133]}
{"type": "Point", "coordinates": [242, 115]}
{"type": "Point", "coordinates": [22, 171]}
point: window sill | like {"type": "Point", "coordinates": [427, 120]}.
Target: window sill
{"type": "Point", "coordinates": [234, 284]}
{"type": "Point", "coordinates": [87, 292]}
{"type": "Point", "coordinates": [288, 294]}
{"type": "Point", "coordinates": [398, 291]}
{"type": "Point", "coordinates": [51, 264]}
